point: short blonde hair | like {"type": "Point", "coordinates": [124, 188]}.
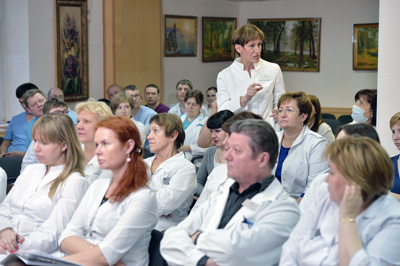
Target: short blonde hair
{"type": "Point", "coordinates": [99, 108]}
{"type": "Point", "coordinates": [121, 98]}
{"type": "Point", "coordinates": [395, 119]}
{"type": "Point", "coordinates": [246, 34]}
{"type": "Point", "coordinates": [362, 160]}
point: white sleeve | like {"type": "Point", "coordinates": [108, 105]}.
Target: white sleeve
{"type": "Point", "coordinates": [224, 96]}
{"type": "Point", "coordinates": [29, 158]}
{"type": "Point", "coordinates": [68, 198]}
{"type": "Point", "coordinates": [3, 184]}
{"type": "Point", "coordinates": [279, 88]}
{"type": "Point", "coordinates": [317, 165]}
{"type": "Point", "coordinates": [181, 186]}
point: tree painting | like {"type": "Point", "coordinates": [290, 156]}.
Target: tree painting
{"type": "Point", "coordinates": [365, 46]}
{"type": "Point", "coordinates": [291, 43]}
{"type": "Point", "coordinates": [217, 35]}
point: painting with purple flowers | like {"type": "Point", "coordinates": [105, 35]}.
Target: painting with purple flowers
{"type": "Point", "coordinates": [71, 42]}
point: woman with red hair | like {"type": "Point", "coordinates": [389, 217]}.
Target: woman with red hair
{"type": "Point", "coordinates": [114, 221]}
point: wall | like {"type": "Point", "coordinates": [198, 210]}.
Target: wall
{"type": "Point", "coordinates": [29, 48]}
{"type": "Point", "coordinates": [335, 84]}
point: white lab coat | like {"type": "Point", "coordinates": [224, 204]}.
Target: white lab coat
{"type": "Point", "coordinates": [315, 239]}
{"type": "Point", "coordinates": [3, 184]}
{"type": "Point", "coordinates": [192, 135]}
{"type": "Point", "coordinates": [29, 211]}
{"type": "Point", "coordinates": [175, 183]}
{"type": "Point", "coordinates": [233, 81]}
{"type": "Point", "coordinates": [122, 229]}
{"type": "Point", "coordinates": [304, 161]}
{"type": "Point", "coordinates": [272, 212]}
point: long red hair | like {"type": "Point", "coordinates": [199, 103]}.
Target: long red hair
{"type": "Point", "coordinates": [135, 176]}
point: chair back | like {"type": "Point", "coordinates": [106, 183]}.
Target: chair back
{"type": "Point", "coordinates": [12, 167]}
{"type": "Point", "coordinates": [333, 123]}
{"type": "Point", "coordinates": [155, 258]}
{"type": "Point", "coordinates": [345, 119]}
{"type": "Point", "coordinates": [328, 116]}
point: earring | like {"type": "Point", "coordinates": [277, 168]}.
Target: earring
{"type": "Point", "coordinates": [128, 160]}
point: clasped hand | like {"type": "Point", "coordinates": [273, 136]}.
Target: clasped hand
{"type": "Point", "coordinates": [8, 240]}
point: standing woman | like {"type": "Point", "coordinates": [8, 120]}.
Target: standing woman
{"type": "Point", "coordinates": [250, 82]}
{"type": "Point", "coordinates": [299, 160]}
{"type": "Point", "coordinates": [315, 122]}
{"type": "Point", "coordinates": [114, 220]}
{"type": "Point", "coordinates": [193, 121]}
{"type": "Point", "coordinates": [89, 114]}
{"type": "Point", "coordinates": [395, 127]}
{"type": "Point", "coordinates": [173, 178]}
{"type": "Point", "coordinates": [45, 195]}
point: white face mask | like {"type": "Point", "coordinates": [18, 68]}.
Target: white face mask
{"type": "Point", "coordinates": [358, 114]}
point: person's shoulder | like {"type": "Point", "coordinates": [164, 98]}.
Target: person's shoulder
{"type": "Point", "coordinates": [395, 158]}
{"type": "Point", "coordinates": [19, 116]}
{"type": "Point", "coordinates": [148, 110]}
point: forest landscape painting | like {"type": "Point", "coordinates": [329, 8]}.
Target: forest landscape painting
{"type": "Point", "coordinates": [180, 36]}
{"type": "Point", "coordinates": [365, 46]}
{"type": "Point", "coordinates": [217, 35]}
{"type": "Point", "coordinates": [294, 44]}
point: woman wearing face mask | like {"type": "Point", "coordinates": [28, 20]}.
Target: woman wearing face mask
{"type": "Point", "coordinates": [395, 127]}
{"type": "Point", "coordinates": [364, 109]}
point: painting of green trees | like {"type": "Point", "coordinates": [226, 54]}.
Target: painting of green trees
{"type": "Point", "coordinates": [291, 43]}
{"type": "Point", "coordinates": [365, 46]}
{"type": "Point", "coordinates": [217, 35]}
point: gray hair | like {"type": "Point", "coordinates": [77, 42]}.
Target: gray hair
{"type": "Point", "coordinates": [185, 82]}
{"type": "Point", "coordinates": [262, 137]}
{"type": "Point", "coordinates": [30, 93]}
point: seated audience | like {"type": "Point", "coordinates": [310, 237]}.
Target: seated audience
{"type": "Point", "coordinates": [59, 94]}
{"type": "Point", "coordinates": [122, 105]}
{"type": "Point", "coordinates": [90, 113]}
{"type": "Point", "coordinates": [299, 160]}
{"type": "Point", "coordinates": [45, 196]}
{"type": "Point", "coordinates": [52, 106]}
{"type": "Point", "coordinates": [353, 220]}
{"type": "Point", "coordinates": [211, 95]}
{"type": "Point", "coordinates": [205, 138]}
{"type": "Point", "coordinates": [246, 223]}
{"type": "Point", "coordinates": [13, 144]}
{"type": "Point", "coordinates": [214, 156]}
{"type": "Point", "coordinates": [173, 178]}
{"type": "Point", "coordinates": [359, 129]}
{"type": "Point", "coordinates": [3, 184]}
{"type": "Point", "coordinates": [182, 87]}
{"type": "Point", "coordinates": [316, 124]}
{"type": "Point", "coordinates": [152, 98]}
{"type": "Point", "coordinates": [395, 127]}
{"type": "Point", "coordinates": [113, 90]}
{"type": "Point", "coordinates": [34, 101]}
{"type": "Point", "coordinates": [113, 223]}
{"type": "Point", "coordinates": [140, 112]}
{"type": "Point", "coordinates": [193, 121]}
{"type": "Point", "coordinates": [364, 110]}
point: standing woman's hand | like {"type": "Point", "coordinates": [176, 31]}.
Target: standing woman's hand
{"type": "Point", "coordinates": [251, 91]}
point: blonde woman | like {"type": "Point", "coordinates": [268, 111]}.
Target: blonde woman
{"type": "Point", "coordinates": [45, 195]}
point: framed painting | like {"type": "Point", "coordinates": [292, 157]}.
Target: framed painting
{"type": "Point", "coordinates": [180, 36]}
{"type": "Point", "coordinates": [365, 46]}
{"type": "Point", "coordinates": [71, 49]}
{"type": "Point", "coordinates": [217, 35]}
{"type": "Point", "coordinates": [293, 43]}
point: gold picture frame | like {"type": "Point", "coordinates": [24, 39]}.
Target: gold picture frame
{"type": "Point", "coordinates": [180, 36]}
{"type": "Point", "coordinates": [365, 46]}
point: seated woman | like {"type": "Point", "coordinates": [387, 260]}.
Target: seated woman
{"type": "Point", "coordinates": [214, 156]}
{"type": "Point", "coordinates": [315, 122]}
{"type": "Point", "coordinates": [45, 195]}
{"type": "Point", "coordinates": [353, 220]}
{"type": "Point", "coordinates": [173, 178]}
{"type": "Point", "coordinates": [395, 127]}
{"type": "Point", "coordinates": [114, 220]}
{"type": "Point", "coordinates": [364, 110]}
{"type": "Point", "coordinates": [89, 114]}
{"type": "Point", "coordinates": [122, 104]}
{"type": "Point", "coordinates": [193, 121]}
{"type": "Point", "coordinates": [211, 95]}
{"type": "Point", "coordinates": [299, 160]}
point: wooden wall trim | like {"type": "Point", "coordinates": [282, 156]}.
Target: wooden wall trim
{"type": "Point", "coordinates": [109, 44]}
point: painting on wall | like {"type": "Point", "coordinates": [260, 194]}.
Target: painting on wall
{"type": "Point", "coordinates": [365, 46]}
{"type": "Point", "coordinates": [180, 36]}
{"type": "Point", "coordinates": [294, 44]}
{"type": "Point", "coordinates": [71, 49]}
{"type": "Point", "coordinates": [217, 35]}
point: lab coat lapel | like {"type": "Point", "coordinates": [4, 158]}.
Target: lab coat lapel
{"type": "Point", "coordinates": [220, 203]}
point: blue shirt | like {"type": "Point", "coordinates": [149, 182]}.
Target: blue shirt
{"type": "Point", "coordinates": [144, 115]}
{"type": "Point", "coordinates": [16, 132]}
{"type": "Point", "coordinates": [396, 181]}
{"type": "Point", "coordinates": [282, 156]}
{"type": "Point", "coordinates": [29, 132]}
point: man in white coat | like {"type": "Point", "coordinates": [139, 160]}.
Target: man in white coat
{"type": "Point", "coordinates": [246, 223]}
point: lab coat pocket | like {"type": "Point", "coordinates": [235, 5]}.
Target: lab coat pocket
{"type": "Point", "coordinates": [166, 180]}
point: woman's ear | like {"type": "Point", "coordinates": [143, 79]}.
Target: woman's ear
{"type": "Point", "coordinates": [63, 147]}
{"type": "Point", "coordinates": [238, 48]}
{"type": "Point", "coordinates": [304, 117]}
{"type": "Point", "coordinates": [130, 145]}
{"type": "Point", "coordinates": [174, 135]}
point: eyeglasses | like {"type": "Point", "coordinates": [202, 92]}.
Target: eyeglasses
{"type": "Point", "coordinates": [135, 96]}
{"type": "Point", "coordinates": [65, 112]}
{"type": "Point", "coordinates": [288, 110]}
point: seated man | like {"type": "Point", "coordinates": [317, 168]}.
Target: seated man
{"type": "Point", "coordinates": [246, 223]}
{"type": "Point", "coordinates": [13, 144]}
{"type": "Point", "coordinates": [33, 101]}
{"type": "Point", "coordinates": [152, 98]}
{"type": "Point", "coordinates": [59, 94]}
{"type": "Point", "coordinates": [140, 112]}
{"type": "Point", "coordinates": [182, 87]}
{"type": "Point", "coordinates": [113, 90]}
